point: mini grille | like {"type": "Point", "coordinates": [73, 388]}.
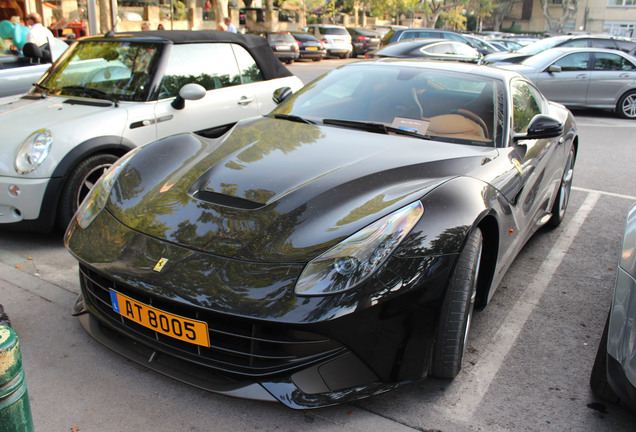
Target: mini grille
{"type": "Point", "coordinates": [238, 346]}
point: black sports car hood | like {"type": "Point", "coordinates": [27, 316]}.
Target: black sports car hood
{"type": "Point", "coordinates": [275, 190]}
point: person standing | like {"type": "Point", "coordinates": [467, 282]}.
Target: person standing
{"type": "Point", "coordinates": [229, 25]}
{"type": "Point", "coordinates": [38, 34]}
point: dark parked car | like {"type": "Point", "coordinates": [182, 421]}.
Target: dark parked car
{"type": "Point", "coordinates": [284, 46]}
{"type": "Point", "coordinates": [614, 372]}
{"type": "Point", "coordinates": [580, 41]}
{"type": "Point", "coordinates": [309, 46]}
{"type": "Point", "coordinates": [425, 33]}
{"type": "Point", "coordinates": [584, 78]}
{"type": "Point", "coordinates": [430, 49]}
{"type": "Point", "coordinates": [332, 249]}
{"type": "Point", "coordinates": [363, 41]}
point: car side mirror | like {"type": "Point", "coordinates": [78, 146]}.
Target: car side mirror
{"type": "Point", "coordinates": [190, 91]}
{"type": "Point", "coordinates": [542, 126]}
{"type": "Point", "coordinates": [281, 94]}
{"type": "Point", "coordinates": [554, 69]}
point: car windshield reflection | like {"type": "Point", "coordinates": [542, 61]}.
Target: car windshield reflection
{"type": "Point", "coordinates": [115, 70]}
{"type": "Point", "coordinates": [443, 105]}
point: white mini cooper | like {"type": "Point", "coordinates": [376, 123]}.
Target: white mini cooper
{"type": "Point", "coordinates": [109, 94]}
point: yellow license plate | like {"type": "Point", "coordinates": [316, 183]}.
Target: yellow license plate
{"type": "Point", "coordinates": [178, 327]}
{"type": "Point", "coordinates": [312, 48]}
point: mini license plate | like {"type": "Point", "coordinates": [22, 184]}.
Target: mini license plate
{"type": "Point", "coordinates": [175, 326]}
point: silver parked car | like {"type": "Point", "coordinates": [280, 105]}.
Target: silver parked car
{"type": "Point", "coordinates": [614, 371]}
{"type": "Point", "coordinates": [584, 77]}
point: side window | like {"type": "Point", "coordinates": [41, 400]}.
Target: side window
{"type": "Point", "coordinates": [577, 43]}
{"type": "Point", "coordinates": [526, 103]}
{"type": "Point", "coordinates": [463, 49]}
{"type": "Point", "coordinates": [250, 72]}
{"type": "Point", "coordinates": [573, 62]}
{"type": "Point", "coordinates": [603, 43]}
{"type": "Point", "coordinates": [607, 62]}
{"type": "Point", "coordinates": [625, 46]}
{"type": "Point", "coordinates": [454, 37]}
{"type": "Point", "coordinates": [440, 48]}
{"type": "Point", "coordinates": [211, 65]}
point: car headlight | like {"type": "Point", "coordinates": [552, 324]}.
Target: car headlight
{"type": "Point", "coordinates": [33, 151]}
{"type": "Point", "coordinates": [96, 199]}
{"type": "Point", "coordinates": [357, 257]}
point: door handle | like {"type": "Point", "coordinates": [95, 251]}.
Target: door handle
{"type": "Point", "coordinates": [245, 100]}
{"type": "Point", "coordinates": [624, 75]}
{"type": "Point", "coordinates": [581, 76]}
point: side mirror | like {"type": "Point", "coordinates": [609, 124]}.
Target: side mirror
{"type": "Point", "coordinates": [554, 68]}
{"type": "Point", "coordinates": [542, 126]}
{"type": "Point", "coordinates": [281, 94]}
{"type": "Point", "coordinates": [190, 91]}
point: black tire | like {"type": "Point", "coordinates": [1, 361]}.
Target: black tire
{"type": "Point", "coordinates": [563, 196]}
{"type": "Point", "coordinates": [79, 183]}
{"type": "Point", "coordinates": [598, 378]}
{"type": "Point", "coordinates": [457, 310]}
{"type": "Point", "coordinates": [626, 106]}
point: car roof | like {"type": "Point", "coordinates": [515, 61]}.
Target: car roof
{"type": "Point", "coordinates": [257, 46]}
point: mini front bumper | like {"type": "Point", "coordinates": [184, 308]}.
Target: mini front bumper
{"type": "Point", "coordinates": [25, 204]}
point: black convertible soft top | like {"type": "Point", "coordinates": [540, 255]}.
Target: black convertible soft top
{"type": "Point", "coordinates": [256, 45]}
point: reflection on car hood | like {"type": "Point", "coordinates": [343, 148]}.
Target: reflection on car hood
{"type": "Point", "coordinates": [273, 190]}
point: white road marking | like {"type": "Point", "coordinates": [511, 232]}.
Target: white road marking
{"type": "Point", "coordinates": [463, 399]}
{"type": "Point", "coordinates": [615, 195]}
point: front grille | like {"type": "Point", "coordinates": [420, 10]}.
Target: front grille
{"type": "Point", "coordinates": [238, 346]}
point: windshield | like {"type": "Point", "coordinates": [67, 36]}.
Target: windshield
{"type": "Point", "coordinates": [115, 70]}
{"type": "Point", "coordinates": [445, 105]}
{"type": "Point", "coordinates": [542, 45]}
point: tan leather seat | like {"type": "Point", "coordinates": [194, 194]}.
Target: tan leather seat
{"type": "Point", "coordinates": [456, 126]}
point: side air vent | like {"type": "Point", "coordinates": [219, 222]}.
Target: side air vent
{"type": "Point", "coordinates": [226, 200]}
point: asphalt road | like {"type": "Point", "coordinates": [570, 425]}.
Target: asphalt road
{"type": "Point", "coordinates": [528, 360]}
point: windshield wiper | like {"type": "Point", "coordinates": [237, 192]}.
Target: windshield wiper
{"type": "Point", "coordinates": [43, 89]}
{"type": "Point", "coordinates": [375, 127]}
{"type": "Point", "coordinates": [294, 118]}
{"type": "Point", "coordinates": [93, 92]}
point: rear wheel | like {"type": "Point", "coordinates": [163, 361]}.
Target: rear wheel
{"type": "Point", "coordinates": [626, 106]}
{"type": "Point", "coordinates": [80, 183]}
{"type": "Point", "coordinates": [563, 197]}
{"type": "Point", "coordinates": [457, 310]}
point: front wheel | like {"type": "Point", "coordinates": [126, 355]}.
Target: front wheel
{"type": "Point", "coordinates": [80, 183]}
{"type": "Point", "coordinates": [457, 310]}
{"type": "Point", "coordinates": [563, 197]}
{"type": "Point", "coordinates": [626, 106]}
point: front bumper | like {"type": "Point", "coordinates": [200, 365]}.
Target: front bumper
{"type": "Point", "coordinates": [26, 205]}
{"type": "Point", "coordinates": [266, 342]}
{"type": "Point", "coordinates": [307, 388]}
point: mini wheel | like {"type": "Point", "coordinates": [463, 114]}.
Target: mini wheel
{"type": "Point", "coordinates": [79, 183]}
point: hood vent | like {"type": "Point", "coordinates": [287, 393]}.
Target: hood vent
{"type": "Point", "coordinates": [227, 200]}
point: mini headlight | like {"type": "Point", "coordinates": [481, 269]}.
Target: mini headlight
{"type": "Point", "coordinates": [354, 259]}
{"type": "Point", "coordinates": [33, 151]}
{"type": "Point", "coordinates": [96, 199]}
